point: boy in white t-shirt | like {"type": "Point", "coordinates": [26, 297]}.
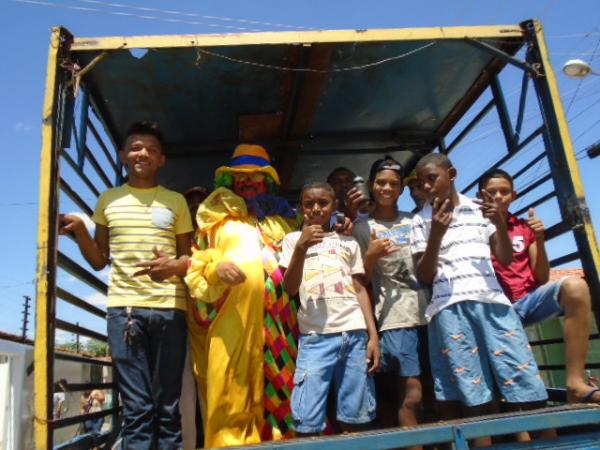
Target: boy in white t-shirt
{"type": "Point", "coordinates": [476, 340]}
{"type": "Point", "coordinates": [338, 338]}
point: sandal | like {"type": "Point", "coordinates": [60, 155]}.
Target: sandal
{"type": "Point", "coordinates": [587, 398]}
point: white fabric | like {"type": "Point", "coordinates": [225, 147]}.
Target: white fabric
{"type": "Point", "coordinates": [464, 269]}
{"type": "Point", "coordinates": [328, 302]}
{"type": "Point", "coordinates": [399, 300]}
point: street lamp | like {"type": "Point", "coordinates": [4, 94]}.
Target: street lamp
{"type": "Point", "coordinates": [578, 68]}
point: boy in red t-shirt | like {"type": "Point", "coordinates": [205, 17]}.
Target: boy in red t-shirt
{"type": "Point", "coordinates": [525, 283]}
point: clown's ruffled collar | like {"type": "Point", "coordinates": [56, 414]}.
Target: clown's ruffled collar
{"type": "Point", "coordinates": [223, 203]}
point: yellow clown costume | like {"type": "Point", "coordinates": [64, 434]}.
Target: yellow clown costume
{"type": "Point", "coordinates": [243, 337]}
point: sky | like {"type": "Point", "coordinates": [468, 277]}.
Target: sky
{"type": "Point", "coordinates": [572, 29]}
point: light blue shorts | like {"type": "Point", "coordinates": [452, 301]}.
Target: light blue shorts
{"type": "Point", "coordinates": [474, 346]}
{"type": "Point", "coordinates": [540, 304]}
{"type": "Point", "coordinates": [325, 358]}
{"type": "Point", "coordinates": [400, 352]}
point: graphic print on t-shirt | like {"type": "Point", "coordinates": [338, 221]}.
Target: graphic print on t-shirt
{"type": "Point", "coordinates": [324, 275]}
{"type": "Point", "coordinates": [518, 243]}
{"type": "Point", "coordinates": [398, 234]}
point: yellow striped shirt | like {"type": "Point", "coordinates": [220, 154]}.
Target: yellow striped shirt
{"type": "Point", "coordinates": [139, 220]}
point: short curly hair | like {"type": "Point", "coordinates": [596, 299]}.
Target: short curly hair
{"type": "Point", "coordinates": [145, 127]}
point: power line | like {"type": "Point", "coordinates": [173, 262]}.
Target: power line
{"type": "Point", "coordinates": [137, 16]}
{"type": "Point", "coordinates": [574, 35]}
{"type": "Point", "coordinates": [586, 53]}
{"type": "Point", "coordinates": [492, 122]}
{"type": "Point", "coordinates": [581, 80]}
{"type": "Point", "coordinates": [587, 108]}
{"type": "Point", "coordinates": [530, 179]}
{"type": "Point", "coordinates": [189, 14]}
{"type": "Point", "coordinates": [10, 286]}
{"type": "Point", "coordinates": [587, 130]}
{"type": "Point", "coordinates": [2, 205]}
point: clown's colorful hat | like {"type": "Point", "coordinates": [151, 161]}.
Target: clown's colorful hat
{"type": "Point", "coordinates": [250, 158]}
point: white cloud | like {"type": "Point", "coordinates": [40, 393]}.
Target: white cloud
{"type": "Point", "coordinates": [104, 274]}
{"type": "Point", "coordinates": [62, 336]}
{"type": "Point", "coordinates": [96, 298]}
{"type": "Point", "coordinates": [22, 127]}
{"type": "Point", "coordinates": [66, 278]}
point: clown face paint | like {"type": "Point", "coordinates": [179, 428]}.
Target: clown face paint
{"type": "Point", "coordinates": [249, 185]}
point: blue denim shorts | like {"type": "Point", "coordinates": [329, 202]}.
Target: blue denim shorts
{"type": "Point", "coordinates": [475, 346]}
{"type": "Point", "coordinates": [540, 304]}
{"type": "Point", "coordinates": [325, 358]}
{"type": "Point", "coordinates": [400, 352]}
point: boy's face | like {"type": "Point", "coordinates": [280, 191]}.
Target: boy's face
{"type": "Point", "coordinates": [502, 190]}
{"type": "Point", "coordinates": [341, 181]}
{"type": "Point", "coordinates": [417, 194]}
{"type": "Point", "coordinates": [387, 187]}
{"type": "Point", "coordinates": [318, 205]}
{"type": "Point", "coordinates": [436, 181]}
{"type": "Point", "coordinates": [143, 155]}
{"type": "Point", "coordinates": [249, 185]}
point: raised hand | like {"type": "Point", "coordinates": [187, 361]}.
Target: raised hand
{"type": "Point", "coordinates": [355, 201]}
{"type": "Point", "coordinates": [441, 216]}
{"type": "Point", "coordinates": [229, 273]}
{"type": "Point", "coordinates": [345, 226]}
{"type": "Point", "coordinates": [158, 269]}
{"type": "Point", "coordinates": [536, 225]}
{"type": "Point", "coordinates": [70, 223]}
{"type": "Point", "coordinates": [378, 248]}
{"type": "Point", "coordinates": [311, 235]}
{"type": "Point", "coordinates": [491, 209]}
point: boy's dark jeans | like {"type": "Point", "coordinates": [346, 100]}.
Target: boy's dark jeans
{"type": "Point", "coordinates": [148, 350]}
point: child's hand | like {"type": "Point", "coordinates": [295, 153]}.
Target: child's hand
{"type": "Point", "coordinates": [491, 209]}
{"type": "Point", "coordinates": [355, 201]}
{"type": "Point", "coordinates": [229, 273]}
{"type": "Point", "coordinates": [536, 225]}
{"type": "Point", "coordinates": [311, 235]}
{"type": "Point", "coordinates": [373, 355]}
{"type": "Point", "coordinates": [441, 216]}
{"type": "Point", "coordinates": [70, 224]}
{"type": "Point", "coordinates": [158, 269]}
{"type": "Point", "coordinates": [346, 227]}
{"type": "Point", "coordinates": [378, 248]}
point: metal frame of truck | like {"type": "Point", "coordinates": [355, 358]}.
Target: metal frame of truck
{"type": "Point", "coordinates": [62, 124]}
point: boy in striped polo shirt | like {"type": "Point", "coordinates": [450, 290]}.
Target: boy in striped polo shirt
{"type": "Point", "coordinates": [476, 340]}
{"type": "Point", "coordinates": [144, 232]}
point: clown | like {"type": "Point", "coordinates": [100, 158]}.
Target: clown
{"type": "Point", "coordinates": [242, 325]}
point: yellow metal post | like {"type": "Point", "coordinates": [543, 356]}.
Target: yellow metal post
{"type": "Point", "coordinates": [46, 250]}
{"type": "Point", "coordinates": [564, 167]}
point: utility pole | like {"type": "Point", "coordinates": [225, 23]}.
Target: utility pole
{"type": "Point", "coordinates": [77, 338]}
{"type": "Point", "coordinates": [25, 316]}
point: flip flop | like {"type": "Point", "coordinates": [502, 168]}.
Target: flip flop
{"type": "Point", "coordinates": [587, 398]}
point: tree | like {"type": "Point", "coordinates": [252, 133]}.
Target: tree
{"type": "Point", "coordinates": [96, 347]}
